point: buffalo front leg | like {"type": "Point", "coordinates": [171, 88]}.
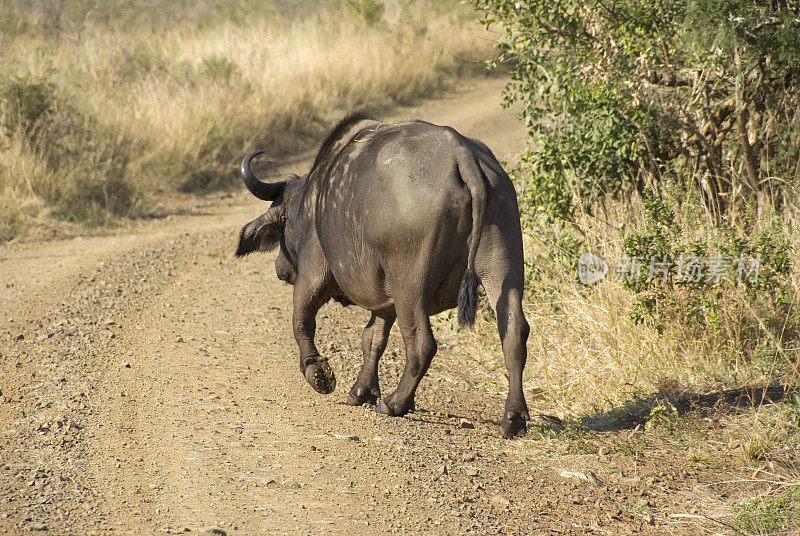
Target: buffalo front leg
{"type": "Point", "coordinates": [505, 295]}
{"type": "Point", "coordinates": [373, 343]}
{"type": "Point", "coordinates": [308, 298]}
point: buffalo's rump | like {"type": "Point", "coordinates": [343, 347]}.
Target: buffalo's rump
{"type": "Point", "coordinates": [392, 210]}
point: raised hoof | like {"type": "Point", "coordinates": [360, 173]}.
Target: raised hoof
{"type": "Point", "coordinates": [513, 425]}
{"type": "Point", "coordinates": [387, 408]}
{"type": "Point", "coordinates": [359, 396]}
{"type": "Point", "coordinates": [320, 377]}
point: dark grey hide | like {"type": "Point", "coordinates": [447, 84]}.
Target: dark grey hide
{"type": "Point", "coordinates": [403, 219]}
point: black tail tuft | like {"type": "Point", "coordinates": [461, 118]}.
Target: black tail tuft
{"type": "Point", "coordinates": [468, 299]}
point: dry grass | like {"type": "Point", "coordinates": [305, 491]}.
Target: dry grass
{"type": "Point", "coordinates": [588, 356]}
{"type": "Point", "coordinates": [154, 108]}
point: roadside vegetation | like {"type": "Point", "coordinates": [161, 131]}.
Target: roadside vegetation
{"type": "Point", "coordinates": [105, 106]}
{"type": "Point", "coordinates": [664, 139]}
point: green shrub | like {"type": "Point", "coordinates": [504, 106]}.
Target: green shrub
{"type": "Point", "coordinates": [23, 104]}
{"type": "Point", "coordinates": [771, 514]}
{"type": "Point", "coordinates": [670, 126]}
{"type": "Point", "coordinates": [370, 11]}
{"type": "Point", "coordinates": [137, 63]}
{"type": "Point", "coordinates": [219, 68]}
{"type": "Point", "coordinates": [731, 288]}
{"type": "Point", "coordinates": [619, 95]}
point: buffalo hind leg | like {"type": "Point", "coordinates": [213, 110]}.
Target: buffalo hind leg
{"type": "Point", "coordinates": [420, 349]}
{"type": "Point", "coordinates": [505, 296]}
{"type": "Point", "coordinates": [309, 296]}
{"type": "Point", "coordinates": [373, 343]}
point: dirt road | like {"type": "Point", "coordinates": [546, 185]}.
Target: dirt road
{"type": "Point", "coordinates": [149, 385]}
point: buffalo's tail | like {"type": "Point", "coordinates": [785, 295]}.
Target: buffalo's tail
{"type": "Point", "coordinates": [468, 299]}
{"type": "Point", "coordinates": [473, 177]}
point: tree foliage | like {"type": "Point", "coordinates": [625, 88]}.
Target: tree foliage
{"type": "Point", "coordinates": [620, 96]}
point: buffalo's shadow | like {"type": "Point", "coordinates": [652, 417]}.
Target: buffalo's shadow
{"type": "Point", "coordinates": [636, 413]}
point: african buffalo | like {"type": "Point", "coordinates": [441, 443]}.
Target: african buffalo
{"type": "Point", "coordinates": [405, 220]}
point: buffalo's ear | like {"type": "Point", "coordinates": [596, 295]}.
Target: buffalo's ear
{"type": "Point", "coordinates": [262, 234]}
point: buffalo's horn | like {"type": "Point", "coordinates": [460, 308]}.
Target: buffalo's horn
{"type": "Point", "coordinates": [267, 191]}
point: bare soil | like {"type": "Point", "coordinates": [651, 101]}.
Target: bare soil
{"type": "Point", "coordinates": [149, 384]}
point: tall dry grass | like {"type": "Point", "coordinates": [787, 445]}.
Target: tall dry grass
{"type": "Point", "coordinates": [138, 109]}
{"type": "Point", "coordinates": [589, 357]}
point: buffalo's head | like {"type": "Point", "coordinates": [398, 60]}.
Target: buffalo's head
{"type": "Point", "coordinates": [273, 228]}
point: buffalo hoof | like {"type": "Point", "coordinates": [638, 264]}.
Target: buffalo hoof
{"type": "Point", "coordinates": [359, 396]}
{"type": "Point", "coordinates": [513, 425]}
{"type": "Point", "coordinates": [320, 376]}
{"type": "Point", "coordinates": [386, 407]}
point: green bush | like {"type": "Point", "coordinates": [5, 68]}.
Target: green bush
{"type": "Point", "coordinates": [771, 514]}
{"type": "Point", "coordinates": [137, 63]}
{"type": "Point", "coordinates": [370, 11]}
{"type": "Point", "coordinates": [219, 68]}
{"type": "Point", "coordinates": [731, 288]}
{"type": "Point", "coordinates": [622, 95]}
{"type": "Point", "coordinates": [672, 126]}
{"type": "Point", "coordinates": [23, 104]}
